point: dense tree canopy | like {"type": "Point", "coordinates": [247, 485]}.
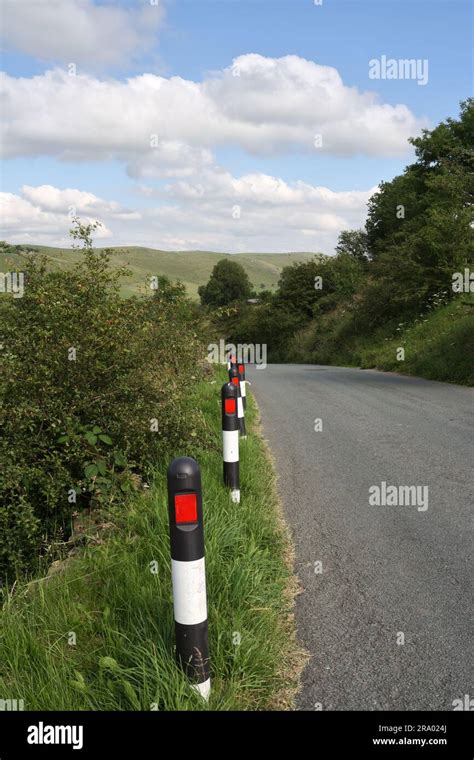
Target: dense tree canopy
{"type": "Point", "coordinates": [228, 282]}
{"type": "Point", "coordinates": [419, 226]}
{"type": "Point", "coordinates": [353, 243]}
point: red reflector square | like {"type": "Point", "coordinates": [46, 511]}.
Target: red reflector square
{"type": "Point", "coordinates": [230, 406]}
{"type": "Point", "coordinates": [241, 369]}
{"type": "Point", "coordinates": [235, 380]}
{"type": "Point", "coordinates": [185, 505]}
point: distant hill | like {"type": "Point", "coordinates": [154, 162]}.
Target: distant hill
{"type": "Point", "coordinates": [193, 268]}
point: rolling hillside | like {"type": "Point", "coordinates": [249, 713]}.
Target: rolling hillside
{"type": "Point", "coordinates": [191, 267]}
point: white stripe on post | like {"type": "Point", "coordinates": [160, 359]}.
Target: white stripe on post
{"type": "Point", "coordinates": [243, 389]}
{"type": "Point", "coordinates": [240, 407]}
{"type": "Point", "coordinates": [231, 445]}
{"type": "Point", "coordinates": [189, 591]}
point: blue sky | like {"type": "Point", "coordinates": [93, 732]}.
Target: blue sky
{"type": "Point", "coordinates": [197, 40]}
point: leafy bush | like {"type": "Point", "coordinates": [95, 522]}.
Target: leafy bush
{"type": "Point", "coordinates": [94, 391]}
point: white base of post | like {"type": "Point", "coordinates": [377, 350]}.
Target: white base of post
{"type": "Point", "coordinates": [235, 495]}
{"type": "Point", "coordinates": [204, 689]}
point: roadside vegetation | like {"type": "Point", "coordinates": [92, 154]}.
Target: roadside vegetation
{"type": "Point", "coordinates": [95, 391]}
{"type": "Point", "coordinates": [390, 285]}
{"type": "Point", "coordinates": [99, 394]}
{"type": "Point", "coordinates": [97, 632]}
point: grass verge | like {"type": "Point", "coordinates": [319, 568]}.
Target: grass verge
{"type": "Point", "coordinates": [438, 347]}
{"type": "Point", "coordinates": [99, 633]}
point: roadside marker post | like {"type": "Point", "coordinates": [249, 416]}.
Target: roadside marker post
{"type": "Point", "coordinates": [188, 571]}
{"type": "Point", "coordinates": [234, 378]}
{"type": "Point", "coordinates": [230, 439]}
{"type": "Point", "coordinates": [243, 384]}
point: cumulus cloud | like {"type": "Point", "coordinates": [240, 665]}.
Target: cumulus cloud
{"type": "Point", "coordinates": [169, 126]}
{"type": "Point", "coordinates": [257, 212]}
{"type": "Point", "coordinates": [254, 213]}
{"type": "Point", "coordinates": [168, 158]}
{"type": "Point", "coordinates": [287, 102]}
{"type": "Point", "coordinates": [49, 198]}
{"type": "Point", "coordinates": [43, 214]}
{"type": "Point", "coordinates": [79, 31]}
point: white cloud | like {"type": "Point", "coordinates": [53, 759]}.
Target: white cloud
{"type": "Point", "coordinates": [273, 106]}
{"type": "Point", "coordinates": [49, 198]}
{"type": "Point", "coordinates": [273, 215]}
{"type": "Point", "coordinates": [161, 127]}
{"type": "Point", "coordinates": [78, 31]}
{"type": "Point", "coordinates": [257, 212]}
{"type": "Point", "coordinates": [43, 214]}
{"type": "Point", "coordinates": [168, 158]}
{"type": "Point", "coordinates": [286, 102]}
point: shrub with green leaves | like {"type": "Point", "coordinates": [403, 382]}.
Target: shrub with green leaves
{"type": "Point", "coordinates": [94, 390]}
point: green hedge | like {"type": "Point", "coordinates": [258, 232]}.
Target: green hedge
{"type": "Point", "coordinates": [85, 375]}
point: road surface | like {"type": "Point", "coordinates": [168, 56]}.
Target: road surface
{"type": "Point", "coordinates": [385, 608]}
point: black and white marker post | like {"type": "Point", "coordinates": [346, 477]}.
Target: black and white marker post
{"type": "Point", "coordinates": [188, 571]}
{"type": "Point", "coordinates": [234, 378]}
{"type": "Point", "coordinates": [243, 385]}
{"type": "Point", "coordinates": [230, 439]}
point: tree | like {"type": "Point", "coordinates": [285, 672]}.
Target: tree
{"type": "Point", "coordinates": [228, 282]}
{"type": "Point", "coordinates": [311, 287]}
{"type": "Point", "coordinates": [264, 324]}
{"type": "Point", "coordinates": [353, 243]}
{"type": "Point", "coordinates": [298, 290]}
{"type": "Point", "coordinates": [419, 225]}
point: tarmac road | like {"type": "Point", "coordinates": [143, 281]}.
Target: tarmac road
{"type": "Point", "coordinates": [390, 573]}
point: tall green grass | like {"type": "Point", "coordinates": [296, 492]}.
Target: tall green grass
{"type": "Point", "coordinates": [439, 346]}
{"type": "Point", "coordinates": [121, 614]}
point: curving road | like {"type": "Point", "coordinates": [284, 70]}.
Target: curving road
{"type": "Point", "coordinates": [388, 574]}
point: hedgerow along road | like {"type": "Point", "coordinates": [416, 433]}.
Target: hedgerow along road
{"type": "Point", "coordinates": [384, 609]}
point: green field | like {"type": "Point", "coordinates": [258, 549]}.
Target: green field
{"type": "Point", "coordinates": [191, 267]}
